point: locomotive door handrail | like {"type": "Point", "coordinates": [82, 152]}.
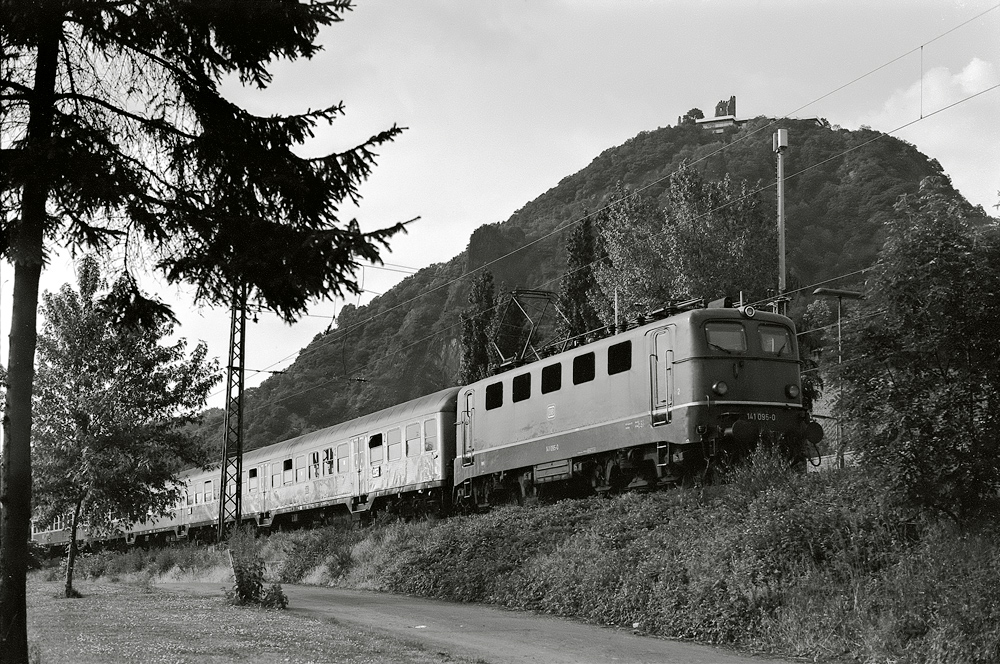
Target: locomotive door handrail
{"type": "Point", "coordinates": [661, 360]}
{"type": "Point", "coordinates": [465, 427]}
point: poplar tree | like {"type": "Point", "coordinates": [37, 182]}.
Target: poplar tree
{"type": "Point", "coordinates": [577, 288]}
{"type": "Point", "coordinates": [478, 323]}
{"type": "Point", "coordinates": [109, 401]}
{"type": "Point", "coordinates": [116, 136]}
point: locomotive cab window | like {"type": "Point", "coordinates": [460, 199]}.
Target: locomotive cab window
{"type": "Point", "coordinates": [551, 378]}
{"type": "Point", "coordinates": [619, 358]}
{"type": "Point", "coordinates": [494, 396]}
{"type": "Point", "coordinates": [775, 340]}
{"type": "Point", "coordinates": [583, 368]}
{"type": "Point", "coordinates": [375, 449]}
{"type": "Point", "coordinates": [520, 388]}
{"type": "Point", "coordinates": [726, 337]}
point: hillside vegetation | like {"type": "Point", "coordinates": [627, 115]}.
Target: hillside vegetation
{"type": "Point", "coordinates": [841, 186]}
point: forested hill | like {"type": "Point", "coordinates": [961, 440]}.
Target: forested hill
{"type": "Point", "coordinates": [840, 189]}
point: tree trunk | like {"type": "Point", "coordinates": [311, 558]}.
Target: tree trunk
{"type": "Point", "coordinates": [26, 237]}
{"type": "Point", "coordinates": [71, 551]}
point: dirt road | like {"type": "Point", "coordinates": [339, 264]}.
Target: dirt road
{"type": "Point", "coordinates": [489, 635]}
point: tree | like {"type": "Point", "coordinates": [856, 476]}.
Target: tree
{"type": "Point", "coordinates": [108, 403]}
{"type": "Point", "coordinates": [921, 374]}
{"type": "Point", "coordinates": [712, 239]}
{"type": "Point", "coordinates": [478, 322]}
{"type": "Point", "coordinates": [578, 288]}
{"type": "Point", "coordinates": [630, 228]}
{"type": "Point", "coordinates": [117, 137]}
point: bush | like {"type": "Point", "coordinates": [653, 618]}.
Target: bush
{"type": "Point", "coordinates": [248, 573]}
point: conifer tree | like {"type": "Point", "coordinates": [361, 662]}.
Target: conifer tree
{"type": "Point", "coordinates": [116, 136]}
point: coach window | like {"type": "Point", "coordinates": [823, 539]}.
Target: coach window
{"type": "Point", "coordinates": [314, 465]}
{"type": "Point", "coordinates": [328, 461]}
{"type": "Point", "coordinates": [342, 458]}
{"type": "Point", "coordinates": [494, 396]}
{"type": "Point", "coordinates": [430, 435]}
{"type": "Point", "coordinates": [275, 475]}
{"type": "Point", "coordinates": [413, 439]}
{"type": "Point", "coordinates": [551, 378]}
{"type": "Point", "coordinates": [300, 468]}
{"type": "Point", "coordinates": [208, 492]}
{"type": "Point", "coordinates": [287, 476]}
{"type": "Point", "coordinates": [619, 358]}
{"type": "Point", "coordinates": [726, 337]}
{"type": "Point", "coordinates": [252, 480]}
{"type": "Point", "coordinates": [375, 449]}
{"type": "Point", "coordinates": [394, 443]}
{"type": "Point", "coordinates": [775, 340]}
{"type": "Point", "coordinates": [520, 388]}
{"type": "Point", "coordinates": [583, 368]}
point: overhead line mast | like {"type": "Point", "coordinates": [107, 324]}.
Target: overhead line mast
{"type": "Point", "coordinates": [230, 490]}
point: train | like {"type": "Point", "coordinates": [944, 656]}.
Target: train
{"type": "Point", "coordinates": [666, 401]}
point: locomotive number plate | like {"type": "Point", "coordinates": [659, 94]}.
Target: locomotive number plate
{"type": "Point", "coordinates": [762, 417]}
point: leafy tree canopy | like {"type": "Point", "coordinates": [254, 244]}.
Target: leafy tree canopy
{"type": "Point", "coordinates": [922, 367]}
{"type": "Point", "coordinates": [108, 403]}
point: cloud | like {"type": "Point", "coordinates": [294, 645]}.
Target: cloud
{"type": "Point", "coordinates": [954, 121]}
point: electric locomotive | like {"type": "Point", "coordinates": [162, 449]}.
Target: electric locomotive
{"type": "Point", "coordinates": [662, 403]}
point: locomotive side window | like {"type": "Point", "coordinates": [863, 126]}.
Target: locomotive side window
{"type": "Point", "coordinates": [551, 378]}
{"type": "Point", "coordinates": [413, 439]}
{"type": "Point", "coordinates": [619, 358]}
{"type": "Point", "coordinates": [494, 396]}
{"type": "Point", "coordinates": [775, 340]}
{"type": "Point", "coordinates": [520, 388]}
{"type": "Point", "coordinates": [342, 466]}
{"type": "Point", "coordinates": [375, 449]}
{"type": "Point", "coordinates": [583, 368]}
{"type": "Point", "coordinates": [726, 337]}
{"type": "Point", "coordinates": [394, 442]}
{"type": "Point", "coordinates": [430, 435]}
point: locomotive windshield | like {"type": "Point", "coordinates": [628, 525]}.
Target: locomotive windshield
{"type": "Point", "coordinates": [728, 337]}
{"type": "Point", "coordinates": [775, 340]}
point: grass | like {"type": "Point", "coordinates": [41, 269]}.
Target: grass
{"type": "Point", "coordinates": [823, 566]}
{"type": "Point", "coordinates": [126, 622]}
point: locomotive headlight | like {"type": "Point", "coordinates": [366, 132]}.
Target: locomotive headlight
{"type": "Point", "coordinates": [720, 388]}
{"type": "Point", "coordinates": [792, 391]}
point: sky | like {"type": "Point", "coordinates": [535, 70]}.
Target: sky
{"type": "Point", "coordinates": [503, 98]}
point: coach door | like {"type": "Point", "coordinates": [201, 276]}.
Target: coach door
{"type": "Point", "coordinates": [465, 426]}
{"type": "Point", "coordinates": [361, 469]}
{"type": "Point", "coordinates": [661, 376]}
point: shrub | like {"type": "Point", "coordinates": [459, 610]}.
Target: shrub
{"type": "Point", "coordinates": [248, 573]}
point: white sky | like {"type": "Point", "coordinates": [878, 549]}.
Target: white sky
{"type": "Point", "coordinates": [504, 98]}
